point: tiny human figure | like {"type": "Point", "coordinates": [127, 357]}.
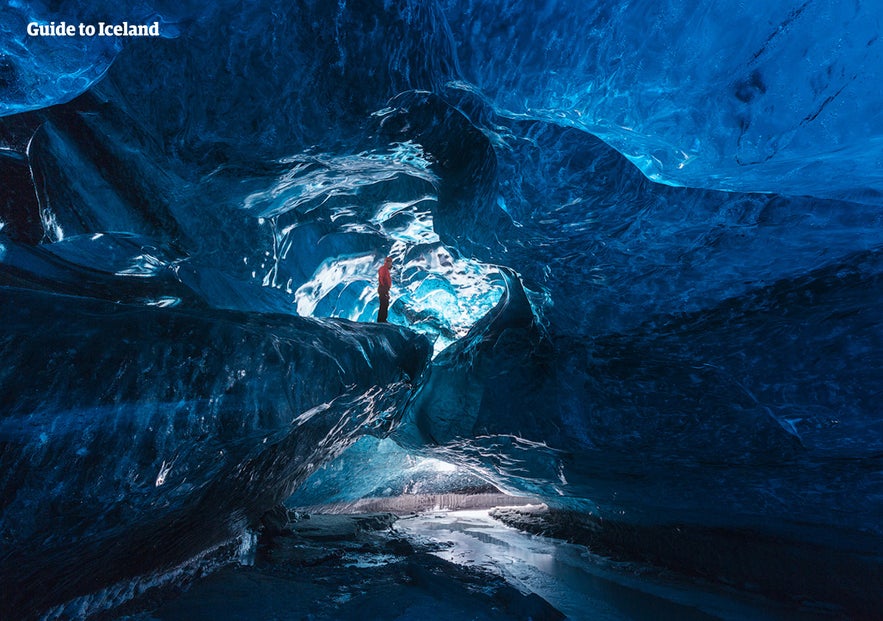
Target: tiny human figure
{"type": "Point", "coordinates": [384, 282]}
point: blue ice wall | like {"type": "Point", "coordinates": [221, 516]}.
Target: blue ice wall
{"type": "Point", "coordinates": [136, 438]}
{"type": "Point", "coordinates": [643, 236]}
{"type": "Point", "coordinates": [37, 71]}
{"type": "Point", "coordinates": [751, 96]}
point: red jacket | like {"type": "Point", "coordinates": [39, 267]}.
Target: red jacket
{"type": "Point", "coordinates": [383, 278]}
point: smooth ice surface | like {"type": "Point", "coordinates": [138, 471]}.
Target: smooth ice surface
{"type": "Point", "coordinates": [380, 468]}
{"type": "Point", "coordinates": [643, 237]}
{"type": "Point", "coordinates": [750, 96]}
{"type": "Point", "coordinates": [38, 71]}
{"type": "Point", "coordinates": [580, 584]}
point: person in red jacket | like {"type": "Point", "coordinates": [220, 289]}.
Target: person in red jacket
{"type": "Point", "coordinates": [384, 282]}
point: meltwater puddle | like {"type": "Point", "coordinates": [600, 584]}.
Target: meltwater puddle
{"type": "Point", "coordinates": [578, 583]}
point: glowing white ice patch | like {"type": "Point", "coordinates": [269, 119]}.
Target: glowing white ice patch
{"type": "Point", "coordinates": [434, 291]}
{"type": "Point", "coordinates": [164, 470]}
{"type": "Point", "coordinates": [436, 465]}
{"type": "Point", "coordinates": [314, 178]}
{"type": "Point", "coordinates": [143, 266]}
{"type": "Point", "coordinates": [165, 301]}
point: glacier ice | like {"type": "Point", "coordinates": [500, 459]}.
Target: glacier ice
{"type": "Point", "coordinates": [643, 239]}
{"type": "Point", "coordinates": [36, 72]}
{"type": "Point", "coordinates": [19, 212]}
{"type": "Point", "coordinates": [332, 216]}
{"type": "Point", "coordinates": [752, 96]}
{"type": "Point", "coordinates": [125, 426]}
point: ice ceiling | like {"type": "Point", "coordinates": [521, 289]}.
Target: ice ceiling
{"type": "Point", "coordinates": [637, 272]}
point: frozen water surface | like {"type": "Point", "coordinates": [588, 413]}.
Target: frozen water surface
{"type": "Point", "coordinates": [580, 584]}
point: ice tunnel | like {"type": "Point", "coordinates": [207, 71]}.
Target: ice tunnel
{"type": "Point", "coordinates": [637, 284]}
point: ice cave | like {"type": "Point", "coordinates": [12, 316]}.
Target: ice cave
{"type": "Point", "coordinates": [633, 367]}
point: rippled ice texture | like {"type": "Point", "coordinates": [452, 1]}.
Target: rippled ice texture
{"type": "Point", "coordinates": [343, 205]}
{"type": "Point", "coordinates": [649, 234]}
{"type": "Point", "coordinates": [751, 96]}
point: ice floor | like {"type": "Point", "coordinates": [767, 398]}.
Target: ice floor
{"type": "Point", "coordinates": [446, 566]}
{"type": "Point", "coordinates": [582, 585]}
